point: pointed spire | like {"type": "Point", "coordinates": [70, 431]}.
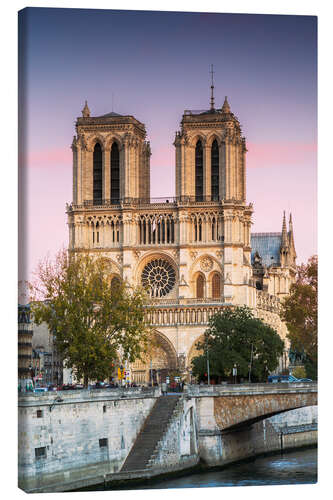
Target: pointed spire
{"type": "Point", "coordinates": [291, 233]}
{"type": "Point", "coordinates": [284, 241]}
{"type": "Point", "coordinates": [212, 108]}
{"type": "Point", "coordinates": [226, 107]}
{"type": "Point", "coordinates": [86, 111]}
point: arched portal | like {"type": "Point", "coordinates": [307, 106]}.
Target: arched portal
{"type": "Point", "coordinates": [157, 363]}
{"type": "Point", "coordinates": [194, 351]}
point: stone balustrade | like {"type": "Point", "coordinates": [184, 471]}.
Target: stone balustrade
{"type": "Point", "coordinates": [268, 302]}
{"type": "Point", "coordinates": [181, 314]}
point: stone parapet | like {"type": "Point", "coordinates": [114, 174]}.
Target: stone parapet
{"type": "Point", "coordinates": [268, 302]}
{"type": "Point", "coordinates": [249, 389]}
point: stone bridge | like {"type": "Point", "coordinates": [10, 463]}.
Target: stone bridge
{"type": "Point", "coordinates": [77, 439]}
{"type": "Point", "coordinates": [230, 407]}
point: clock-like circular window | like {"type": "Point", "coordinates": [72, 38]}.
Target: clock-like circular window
{"type": "Point", "coordinates": [159, 277]}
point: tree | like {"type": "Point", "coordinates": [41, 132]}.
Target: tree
{"type": "Point", "coordinates": [93, 322]}
{"type": "Point", "coordinates": [230, 339]}
{"type": "Point", "coordinates": [300, 313]}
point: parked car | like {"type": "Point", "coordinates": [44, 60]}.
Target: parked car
{"type": "Point", "coordinates": [99, 385]}
{"type": "Point", "coordinates": [285, 379]}
{"type": "Point", "coordinates": [52, 387]}
{"type": "Point", "coordinates": [79, 386]}
{"type": "Point", "coordinates": [278, 379]}
{"type": "Point", "coordinates": [40, 389]}
{"type": "Point", "coordinates": [67, 387]}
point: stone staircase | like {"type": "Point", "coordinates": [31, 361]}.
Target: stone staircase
{"type": "Point", "coordinates": [151, 433]}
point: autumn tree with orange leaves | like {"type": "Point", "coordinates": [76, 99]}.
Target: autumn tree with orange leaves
{"type": "Point", "coordinates": [93, 321]}
{"type": "Point", "coordinates": [300, 313]}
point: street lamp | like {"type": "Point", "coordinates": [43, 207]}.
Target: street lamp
{"type": "Point", "coordinates": [234, 372]}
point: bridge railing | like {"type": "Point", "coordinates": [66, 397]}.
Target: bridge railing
{"type": "Point", "coordinates": [263, 388]}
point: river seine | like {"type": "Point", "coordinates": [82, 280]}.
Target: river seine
{"type": "Point", "coordinates": [294, 467]}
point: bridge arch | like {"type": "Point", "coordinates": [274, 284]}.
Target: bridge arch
{"type": "Point", "coordinates": [233, 411]}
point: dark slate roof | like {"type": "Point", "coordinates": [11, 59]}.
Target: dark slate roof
{"type": "Point", "coordinates": [268, 247]}
{"type": "Point", "coordinates": [108, 115]}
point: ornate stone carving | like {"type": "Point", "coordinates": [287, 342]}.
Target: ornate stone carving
{"type": "Point", "coordinates": [227, 279]}
{"type": "Point", "coordinates": [181, 361]}
{"type": "Point", "coordinates": [193, 255]}
{"type": "Point", "coordinates": [206, 264]}
{"type": "Point", "coordinates": [219, 254]}
{"type": "Point", "coordinates": [136, 254]}
{"type": "Point", "coordinates": [119, 259]}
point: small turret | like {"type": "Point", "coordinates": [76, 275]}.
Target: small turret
{"type": "Point", "coordinates": [284, 242]}
{"type": "Point", "coordinates": [226, 107]}
{"type": "Point", "coordinates": [291, 242]}
{"type": "Point", "coordinates": [86, 111]}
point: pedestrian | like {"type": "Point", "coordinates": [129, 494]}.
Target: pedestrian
{"type": "Point", "coordinates": [164, 388]}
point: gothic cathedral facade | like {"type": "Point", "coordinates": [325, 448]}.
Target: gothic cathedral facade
{"type": "Point", "coordinates": [194, 252]}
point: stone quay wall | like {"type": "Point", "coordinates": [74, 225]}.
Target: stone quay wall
{"type": "Point", "coordinates": [84, 438]}
{"type": "Point", "coordinates": [87, 433]}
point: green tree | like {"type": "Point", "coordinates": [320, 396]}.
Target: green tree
{"type": "Point", "coordinates": [93, 323]}
{"type": "Point", "coordinates": [231, 337]}
{"type": "Point", "coordinates": [300, 313]}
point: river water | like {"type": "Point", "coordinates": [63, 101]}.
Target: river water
{"type": "Point", "coordinates": [294, 467]}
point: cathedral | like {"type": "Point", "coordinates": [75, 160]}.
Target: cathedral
{"type": "Point", "coordinates": [194, 252]}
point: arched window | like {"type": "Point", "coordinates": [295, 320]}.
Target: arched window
{"type": "Point", "coordinates": [215, 171]}
{"type": "Point", "coordinates": [216, 286]}
{"type": "Point", "coordinates": [200, 287]}
{"type": "Point", "coordinates": [198, 171]}
{"type": "Point", "coordinates": [97, 175]}
{"type": "Point", "coordinates": [115, 191]}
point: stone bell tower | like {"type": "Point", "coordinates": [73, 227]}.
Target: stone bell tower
{"type": "Point", "coordinates": [211, 179]}
{"type": "Point", "coordinates": [111, 159]}
{"type": "Point", "coordinates": [210, 156]}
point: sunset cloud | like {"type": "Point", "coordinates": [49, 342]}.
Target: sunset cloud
{"type": "Point", "coordinates": [53, 157]}
{"type": "Point", "coordinates": [277, 154]}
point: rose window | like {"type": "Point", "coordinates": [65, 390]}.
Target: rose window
{"type": "Point", "coordinates": [159, 277]}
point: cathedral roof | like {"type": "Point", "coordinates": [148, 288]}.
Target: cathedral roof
{"type": "Point", "coordinates": [268, 247]}
{"type": "Point", "coordinates": [108, 115]}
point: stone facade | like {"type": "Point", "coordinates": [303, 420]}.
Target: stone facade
{"type": "Point", "coordinates": [25, 334]}
{"type": "Point", "coordinates": [193, 251]}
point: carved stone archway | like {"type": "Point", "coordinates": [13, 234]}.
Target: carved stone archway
{"type": "Point", "coordinates": [194, 351]}
{"type": "Point", "coordinates": [156, 364]}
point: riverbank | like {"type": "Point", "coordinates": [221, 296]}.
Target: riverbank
{"type": "Point", "coordinates": [84, 439]}
{"type": "Point", "coordinates": [231, 474]}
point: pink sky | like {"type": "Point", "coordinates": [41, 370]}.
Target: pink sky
{"type": "Point", "coordinates": [267, 65]}
{"type": "Point", "coordinates": [274, 170]}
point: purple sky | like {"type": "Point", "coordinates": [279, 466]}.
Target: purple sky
{"type": "Point", "coordinates": [156, 65]}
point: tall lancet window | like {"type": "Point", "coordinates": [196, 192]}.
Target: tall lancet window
{"type": "Point", "coordinates": [216, 286]}
{"type": "Point", "coordinates": [115, 191]}
{"type": "Point", "coordinates": [198, 172]}
{"type": "Point", "coordinates": [97, 175]}
{"type": "Point", "coordinates": [215, 170]}
{"type": "Point", "coordinates": [200, 287]}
